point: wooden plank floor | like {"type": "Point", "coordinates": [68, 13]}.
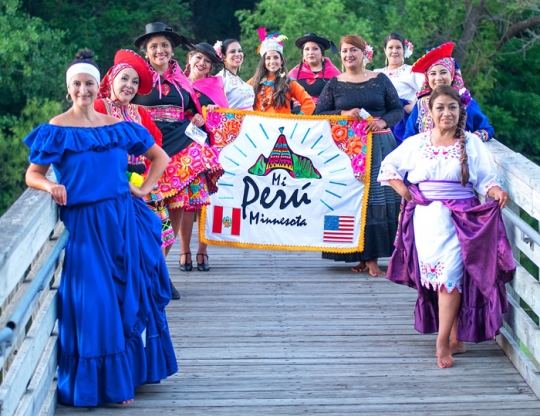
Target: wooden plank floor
{"type": "Point", "coordinates": [281, 333]}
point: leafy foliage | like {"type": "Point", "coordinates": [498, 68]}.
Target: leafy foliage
{"type": "Point", "coordinates": [12, 149]}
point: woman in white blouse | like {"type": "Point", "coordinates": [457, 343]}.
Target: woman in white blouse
{"type": "Point", "coordinates": [407, 83]}
{"type": "Point", "coordinates": [239, 94]}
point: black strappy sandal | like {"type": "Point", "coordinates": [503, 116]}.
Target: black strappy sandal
{"type": "Point", "coordinates": [203, 267]}
{"type": "Point", "coordinates": [186, 267]}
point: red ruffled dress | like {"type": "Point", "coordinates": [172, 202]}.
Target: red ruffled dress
{"type": "Point", "coordinates": [139, 164]}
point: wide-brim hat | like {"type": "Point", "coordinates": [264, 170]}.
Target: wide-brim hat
{"type": "Point", "coordinates": [158, 28]}
{"type": "Point", "coordinates": [423, 64]}
{"type": "Point", "coordinates": [207, 50]}
{"type": "Point", "coordinates": [320, 40]}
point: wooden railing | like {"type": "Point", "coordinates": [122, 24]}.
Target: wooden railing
{"type": "Point", "coordinates": [520, 336]}
{"type": "Point", "coordinates": [31, 246]}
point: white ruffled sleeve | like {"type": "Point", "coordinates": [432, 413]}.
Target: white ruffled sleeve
{"type": "Point", "coordinates": [482, 171]}
{"type": "Point", "coordinates": [400, 161]}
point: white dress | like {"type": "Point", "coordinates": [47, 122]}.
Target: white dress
{"type": "Point", "coordinates": [439, 251]}
{"type": "Point", "coordinates": [240, 95]}
{"type": "Point", "coordinates": [407, 83]}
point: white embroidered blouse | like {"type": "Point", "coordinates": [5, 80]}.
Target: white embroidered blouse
{"type": "Point", "coordinates": [240, 94]}
{"type": "Point", "coordinates": [407, 83]}
{"type": "Point", "coordinates": [423, 161]}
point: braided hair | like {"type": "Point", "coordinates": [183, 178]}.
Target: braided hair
{"type": "Point", "coordinates": [460, 128]}
{"type": "Point", "coordinates": [302, 62]}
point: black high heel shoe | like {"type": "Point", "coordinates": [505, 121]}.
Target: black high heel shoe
{"type": "Point", "coordinates": [186, 267]}
{"type": "Point", "coordinates": [203, 267]}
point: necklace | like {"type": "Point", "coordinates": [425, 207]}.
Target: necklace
{"type": "Point", "coordinates": [267, 92]}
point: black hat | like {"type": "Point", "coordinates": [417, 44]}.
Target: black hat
{"type": "Point", "coordinates": [320, 40]}
{"type": "Point", "coordinates": [158, 28]}
{"type": "Point", "coordinates": [206, 49]}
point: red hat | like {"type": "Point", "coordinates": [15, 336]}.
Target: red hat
{"type": "Point", "coordinates": [126, 58]}
{"type": "Point", "coordinates": [425, 62]}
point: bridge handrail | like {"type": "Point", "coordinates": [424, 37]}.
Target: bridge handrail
{"type": "Point", "coordinates": [520, 335]}
{"type": "Point", "coordinates": [32, 246]}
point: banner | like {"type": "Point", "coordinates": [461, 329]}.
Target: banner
{"type": "Point", "coordinates": [290, 182]}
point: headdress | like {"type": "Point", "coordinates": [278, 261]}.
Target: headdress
{"type": "Point", "coordinates": [158, 28]}
{"type": "Point", "coordinates": [441, 55]}
{"type": "Point", "coordinates": [320, 40]}
{"type": "Point", "coordinates": [423, 64]}
{"type": "Point", "coordinates": [82, 68]}
{"type": "Point", "coordinates": [207, 50]}
{"type": "Point", "coordinates": [271, 42]}
{"type": "Point", "coordinates": [126, 58]}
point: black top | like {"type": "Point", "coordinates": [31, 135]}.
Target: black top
{"type": "Point", "coordinates": [169, 96]}
{"type": "Point", "coordinates": [377, 96]}
{"type": "Point", "coordinates": [204, 100]}
{"type": "Point", "coordinates": [313, 86]}
{"type": "Point", "coordinates": [174, 133]}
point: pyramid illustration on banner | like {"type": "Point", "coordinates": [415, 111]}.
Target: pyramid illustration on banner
{"type": "Point", "coordinates": [282, 157]}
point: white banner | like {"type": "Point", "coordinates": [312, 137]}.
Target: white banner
{"type": "Point", "coordinates": [287, 185]}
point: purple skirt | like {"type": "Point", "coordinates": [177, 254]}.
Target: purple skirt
{"type": "Point", "coordinates": [488, 265]}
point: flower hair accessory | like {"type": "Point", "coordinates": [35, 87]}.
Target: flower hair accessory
{"type": "Point", "coordinates": [409, 48]}
{"type": "Point", "coordinates": [368, 54]}
{"type": "Point", "coordinates": [217, 48]}
{"type": "Point", "coordinates": [465, 96]}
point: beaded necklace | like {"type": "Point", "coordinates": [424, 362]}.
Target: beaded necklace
{"type": "Point", "coordinates": [266, 93]}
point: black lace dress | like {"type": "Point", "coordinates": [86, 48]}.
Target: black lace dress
{"type": "Point", "coordinates": [378, 97]}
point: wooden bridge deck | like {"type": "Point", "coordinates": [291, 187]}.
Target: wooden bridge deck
{"type": "Point", "coordinates": [281, 333]}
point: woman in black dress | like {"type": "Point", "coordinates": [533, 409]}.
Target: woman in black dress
{"type": "Point", "coordinates": [356, 89]}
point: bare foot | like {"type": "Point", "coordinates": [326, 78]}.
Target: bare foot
{"type": "Point", "coordinates": [374, 269]}
{"type": "Point", "coordinates": [360, 267]}
{"type": "Point", "coordinates": [127, 401]}
{"type": "Point", "coordinates": [457, 347]}
{"type": "Point", "coordinates": [444, 358]}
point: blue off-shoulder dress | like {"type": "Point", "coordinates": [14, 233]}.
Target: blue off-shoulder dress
{"type": "Point", "coordinates": [113, 332]}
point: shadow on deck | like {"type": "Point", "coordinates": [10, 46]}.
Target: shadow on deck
{"type": "Point", "coordinates": [267, 333]}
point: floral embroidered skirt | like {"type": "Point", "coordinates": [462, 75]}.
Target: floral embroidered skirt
{"type": "Point", "coordinates": [438, 248]}
{"type": "Point", "coordinates": [154, 200]}
{"type": "Point", "coordinates": [191, 177]}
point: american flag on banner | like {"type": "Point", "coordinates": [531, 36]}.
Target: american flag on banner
{"type": "Point", "coordinates": [338, 229]}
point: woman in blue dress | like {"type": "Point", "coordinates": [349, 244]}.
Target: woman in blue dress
{"type": "Point", "coordinates": [113, 332]}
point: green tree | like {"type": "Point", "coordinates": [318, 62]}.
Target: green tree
{"type": "Point", "coordinates": [14, 151]}
{"type": "Point", "coordinates": [295, 18]}
{"type": "Point", "coordinates": [106, 26]}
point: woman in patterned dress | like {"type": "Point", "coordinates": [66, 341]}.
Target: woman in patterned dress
{"type": "Point", "coordinates": [173, 105]}
{"type": "Point", "coordinates": [131, 75]}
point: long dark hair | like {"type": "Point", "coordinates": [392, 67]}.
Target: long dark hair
{"type": "Point", "coordinates": [460, 129]}
{"type": "Point", "coordinates": [281, 83]}
{"type": "Point", "coordinates": [224, 46]}
{"type": "Point", "coordinates": [302, 62]}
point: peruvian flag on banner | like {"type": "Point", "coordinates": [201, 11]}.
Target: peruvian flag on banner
{"type": "Point", "coordinates": [226, 220]}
